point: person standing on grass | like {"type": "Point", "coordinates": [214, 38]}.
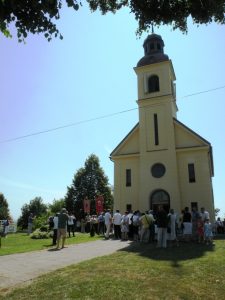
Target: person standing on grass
{"type": "Point", "coordinates": [30, 223]}
{"type": "Point", "coordinates": [70, 224]}
{"type": "Point", "coordinates": [62, 226]}
{"type": "Point", "coordinates": [131, 229]}
{"type": "Point", "coordinates": [108, 222]}
{"type": "Point", "coordinates": [194, 218]}
{"type": "Point", "coordinates": [162, 223]}
{"type": "Point", "coordinates": [187, 221]}
{"type": "Point", "coordinates": [152, 227]}
{"type": "Point", "coordinates": [204, 214]}
{"type": "Point", "coordinates": [5, 227]}
{"type": "Point", "coordinates": [208, 234]}
{"type": "Point", "coordinates": [136, 224]}
{"type": "Point", "coordinates": [117, 217]}
{"type": "Point", "coordinates": [55, 228]}
{"type": "Point", "coordinates": [200, 229]}
{"type": "Point", "coordinates": [172, 235]}
{"type": "Point", "coordinates": [124, 226]}
{"type": "Point", "coordinates": [101, 224]}
{"type": "Point", "coordinates": [145, 220]}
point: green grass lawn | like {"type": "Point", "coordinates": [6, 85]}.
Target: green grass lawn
{"type": "Point", "coordinates": [21, 242]}
{"type": "Point", "coordinates": [141, 272]}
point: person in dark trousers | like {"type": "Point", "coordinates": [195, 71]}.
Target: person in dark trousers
{"type": "Point", "coordinates": [162, 222]}
{"type": "Point", "coordinates": [117, 218]}
{"type": "Point", "coordinates": [70, 224]}
{"type": "Point", "coordinates": [101, 224]}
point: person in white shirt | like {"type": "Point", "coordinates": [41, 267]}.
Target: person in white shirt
{"type": "Point", "coordinates": [204, 214]}
{"type": "Point", "coordinates": [71, 223]}
{"type": "Point", "coordinates": [117, 217]}
{"type": "Point", "coordinates": [108, 222]}
{"type": "Point", "coordinates": [131, 230]}
{"type": "Point", "coordinates": [55, 229]}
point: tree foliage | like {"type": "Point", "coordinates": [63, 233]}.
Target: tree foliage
{"type": "Point", "coordinates": [4, 208]}
{"type": "Point", "coordinates": [89, 182]}
{"type": "Point", "coordinates": [32, 16]}
{"type": "Point", "coordinates": [56, 206]}
{"type": "Point", "coordinates": [36, 207]}
{"type": "Point", "coordinates": [39, 16]}
{"type": "Point", "coordinates": [217, 210]}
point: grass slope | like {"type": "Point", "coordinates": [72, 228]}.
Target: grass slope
{"type": "Point", "coordinates": [141, 272]}
{"type": "Point", "coordinates": [21, 242]}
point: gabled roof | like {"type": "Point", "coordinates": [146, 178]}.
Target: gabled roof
{"type": "Point", "coordinates": [187, 138]}
{"type": "Point", "coordinates": [129, 145]}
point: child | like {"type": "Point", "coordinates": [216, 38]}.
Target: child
{"type": "Point", "coordinates": [208, 232]}
{"type": "Point", "coordinates": [200, 229]}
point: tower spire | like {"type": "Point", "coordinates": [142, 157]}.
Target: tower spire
{"type": "Point", "coordinates": [153, 49]}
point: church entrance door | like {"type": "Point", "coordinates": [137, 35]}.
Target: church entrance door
{"type": "Point", "coordinates": [160, 197]}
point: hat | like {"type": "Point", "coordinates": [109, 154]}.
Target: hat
{"type": "Point", "coordinates": [64, 209]}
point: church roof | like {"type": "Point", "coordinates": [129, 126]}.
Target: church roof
{"type": "Point", "coordinates": [200, 139]}
{"type": "Point", "coordinates": [153, 50]}
{"type": "Point", "coordinates": [184, 136]}
{"type": "Point", "coordinates": [125, 140]}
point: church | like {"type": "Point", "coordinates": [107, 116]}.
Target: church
{"type": "Point", "coordinates": [161, 161]}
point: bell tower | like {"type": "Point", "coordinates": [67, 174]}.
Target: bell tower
{"type": "Point", "coordinates": [157, 111]}
{"type": "Point", "coordinates": [156, 95]}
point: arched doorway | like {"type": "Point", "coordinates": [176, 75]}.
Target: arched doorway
{"type": "Point", "coordinates": [160, 197]}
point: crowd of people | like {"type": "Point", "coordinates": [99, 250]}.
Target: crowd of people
{"type": "Point", "coordinates": [158, 227]}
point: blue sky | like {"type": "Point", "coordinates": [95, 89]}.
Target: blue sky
{"type": "Point", "coordinates": [87, 75]}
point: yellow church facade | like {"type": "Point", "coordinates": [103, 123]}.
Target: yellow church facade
{"type": "Point", "coordinates": [161, 161]}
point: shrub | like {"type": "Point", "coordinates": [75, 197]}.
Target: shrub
{"type": "Point", "coordinates": [40, 221]}
{"type": "Point", "coordinates": [43, 228]}
{"type": "Point", "coordinates": [38, 234]}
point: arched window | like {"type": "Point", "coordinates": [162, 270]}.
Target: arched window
{"type": "Point", "coordinates": [153, 84]}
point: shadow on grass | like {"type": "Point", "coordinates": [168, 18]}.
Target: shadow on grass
{"type": "Point", "coordinates": [175, 254]}
{"type": "Point", "coordinates": [219, 237]}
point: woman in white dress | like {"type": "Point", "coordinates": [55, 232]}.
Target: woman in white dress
{"type": "Point", "coordinates": [172, 236]}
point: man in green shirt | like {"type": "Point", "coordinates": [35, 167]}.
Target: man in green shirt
{"type": "Point", "coordinates": [62, 226]}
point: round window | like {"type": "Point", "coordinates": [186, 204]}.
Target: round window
{"type": "Point", "coordinates": [158, 170]}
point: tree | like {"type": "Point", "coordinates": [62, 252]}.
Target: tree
{"type": "Point", "coordinates": [217, 210]}
{"type": "Point", "coordinates": [36, 206]}
{"type": "Point", "coordinates": [32, 16]}
{"type": "Point", "coordinates": [39, 16]}
{"type": "Point", "coordinates": [57, 205]}
{"type": "Point", "coordinates": [4, 208]}
{"type": "Point", "coordinates": [89, 181]}
{"type": "Point", "coordinates": [159, 12]}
